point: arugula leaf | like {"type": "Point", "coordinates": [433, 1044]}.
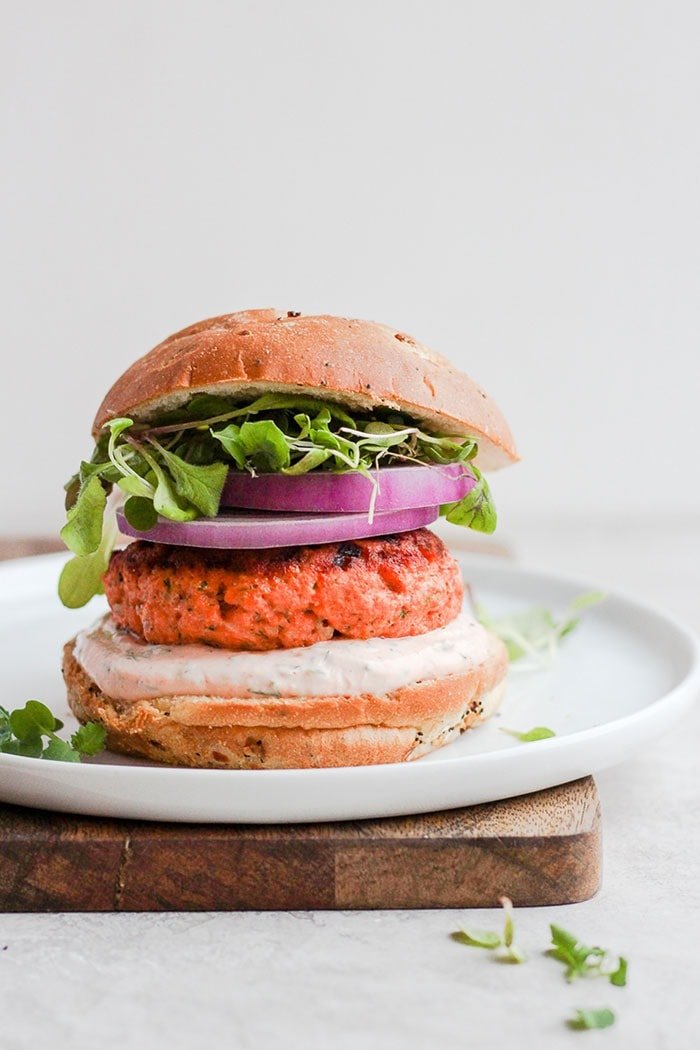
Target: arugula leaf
{"type": "Point", "coordinates": [586, 1019]}
{"type": "Point", "coordinates": [200, 485]}
{"type": "Point", "coordinates": [22, 732]}
{"type": "Point", "coordinates": [537, 733]}
{"type": "Point", "coordinates": [89, 739]}
{"type": "Point", "coordinates": [503, 945]}
{"type": "Point", "coordinates": [264, 446]}
{"type": "Point", "coordinates": [165, 498]}
{"type": "Point", "coordinates": [83, 529]}
{"type": "Point", "coordinates": [535, 633]}
{"type": "Point", "coordinates": [140, 513]}
{"type": "Point", "coordinates": [81, 577]}
{"type": "Point", "coordinates": [230, 439]}
{"type": "Point", "coordinates": [476, 510]}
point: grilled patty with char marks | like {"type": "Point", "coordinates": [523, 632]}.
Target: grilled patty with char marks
{"type": "Point", "coordinates": [388, 587]}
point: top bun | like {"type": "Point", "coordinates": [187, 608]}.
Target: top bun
{"type": "Point", "coordinates": [360, 364]}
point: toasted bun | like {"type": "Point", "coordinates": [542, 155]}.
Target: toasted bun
{"type": "Point", "coordinates": [361, 364]}
{"type": "Point", "coordinates": [301, 732]}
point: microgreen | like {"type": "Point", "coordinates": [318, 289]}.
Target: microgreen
{"type": "Point", "coordinates": [31, 731]}
{"type": "Point", "coordinates": [582, 960]}
{"type": "Point", "coordinates": [535, 633]}
{"type": "Point", "coordinates": [176, 467]}
{"type": "Point", "coordinates": [587, 1019]}
{"type": "Point", "coordinates": [502, 944]}
{"type": "Point", "coordinates": [579, 959]}
{"type": "Point", "coordinates": [530, 735]}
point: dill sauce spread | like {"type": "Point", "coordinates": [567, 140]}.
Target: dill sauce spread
{"type": "Point", "coordinates": [123, 666]}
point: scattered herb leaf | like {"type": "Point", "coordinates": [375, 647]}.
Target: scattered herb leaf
{"type": "Point", "coordinates": [587, 1019]}
{"type": "Point", "coordinates": [503, 945]}
{"type": "Point", "coordinates": [536, 733]}
{"type": "Point", "coordinates": [582, 960]}
{"type": "Point", "coordinates": [535, 633]}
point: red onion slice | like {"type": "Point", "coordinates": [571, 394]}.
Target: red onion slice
{"type": "Point", "coordinates": [253, 529]}
{"type": "Point", "coordinates": [400, 488]}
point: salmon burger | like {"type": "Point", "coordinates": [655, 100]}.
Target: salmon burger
{"type": "Point", "coordinates": [279, 601]}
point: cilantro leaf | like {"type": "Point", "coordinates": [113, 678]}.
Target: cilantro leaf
{"type": "Point", "coordinates": [89, 739]}
{"type": "Point", "coordinates": [587, 1019]}
{"type": "Point", "coordinates": [536, 733]}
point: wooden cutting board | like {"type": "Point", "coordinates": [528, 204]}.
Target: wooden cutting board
{"type": "Point", "coordinates": [543, 848]}
{"type": "Point", "coordinates": [539, 849]}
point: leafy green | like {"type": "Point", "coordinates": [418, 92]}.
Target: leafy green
{"type": "Point", "coordinates": [619, 976]}
{"type": "Point", "coordinates": [530, 735]}
{"type": "Point", "coordinates": [200, 485]}
{"type": "Point", "coordinates": [140, 513]}
{"type": "Point", "coordinates": [23, 730]}
{"type": "Point", "coordinates": [83, 529]}
{"type": "Point", "coordinates": [585, 1019]}
{"type": "Point", "coordinates": [502, 944]}
{"type": "Point", "coordinates": [582, 960]}
{"type": "Point", "coordinates": [535, 633]}
{"type": "Point", "coordinates": [264, 446]}
{"type": "Point", "coordinates": [477, 938]}
{"type": "Point", "coordinates": [89, 739]}
{"type": "Point", "coordinates": [476, 510]}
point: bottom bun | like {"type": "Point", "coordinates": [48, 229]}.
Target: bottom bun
{"type": "Point", "coordinates": [437, 711]}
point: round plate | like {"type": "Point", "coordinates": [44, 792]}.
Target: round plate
{"type": "Point", "coordinates": [620, 679]}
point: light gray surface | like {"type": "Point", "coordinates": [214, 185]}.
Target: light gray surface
{"type": "Point", "coordinates": [394, 979]}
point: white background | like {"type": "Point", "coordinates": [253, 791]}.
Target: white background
{"type": "Point", "coordinates": [517, 184]}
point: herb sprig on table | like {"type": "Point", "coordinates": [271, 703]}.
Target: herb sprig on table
{"type": "Point", "coordinates": [503, 944]}
{"type": "Point", "coordinates": [579, 959]}
{"type": "Point", "coordinates": [176, 467]}
{"type": "Point", "coordinates": [32, 732]}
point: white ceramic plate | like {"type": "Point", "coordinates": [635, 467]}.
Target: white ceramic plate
{"type": "Point", "coordinates": [623, 677]}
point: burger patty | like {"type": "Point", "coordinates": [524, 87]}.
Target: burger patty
{"type": "Point", "coordinates": [389, 587]}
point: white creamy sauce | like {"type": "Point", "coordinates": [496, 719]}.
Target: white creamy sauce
{"type": "Point", "coordinates": [125, 668]}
